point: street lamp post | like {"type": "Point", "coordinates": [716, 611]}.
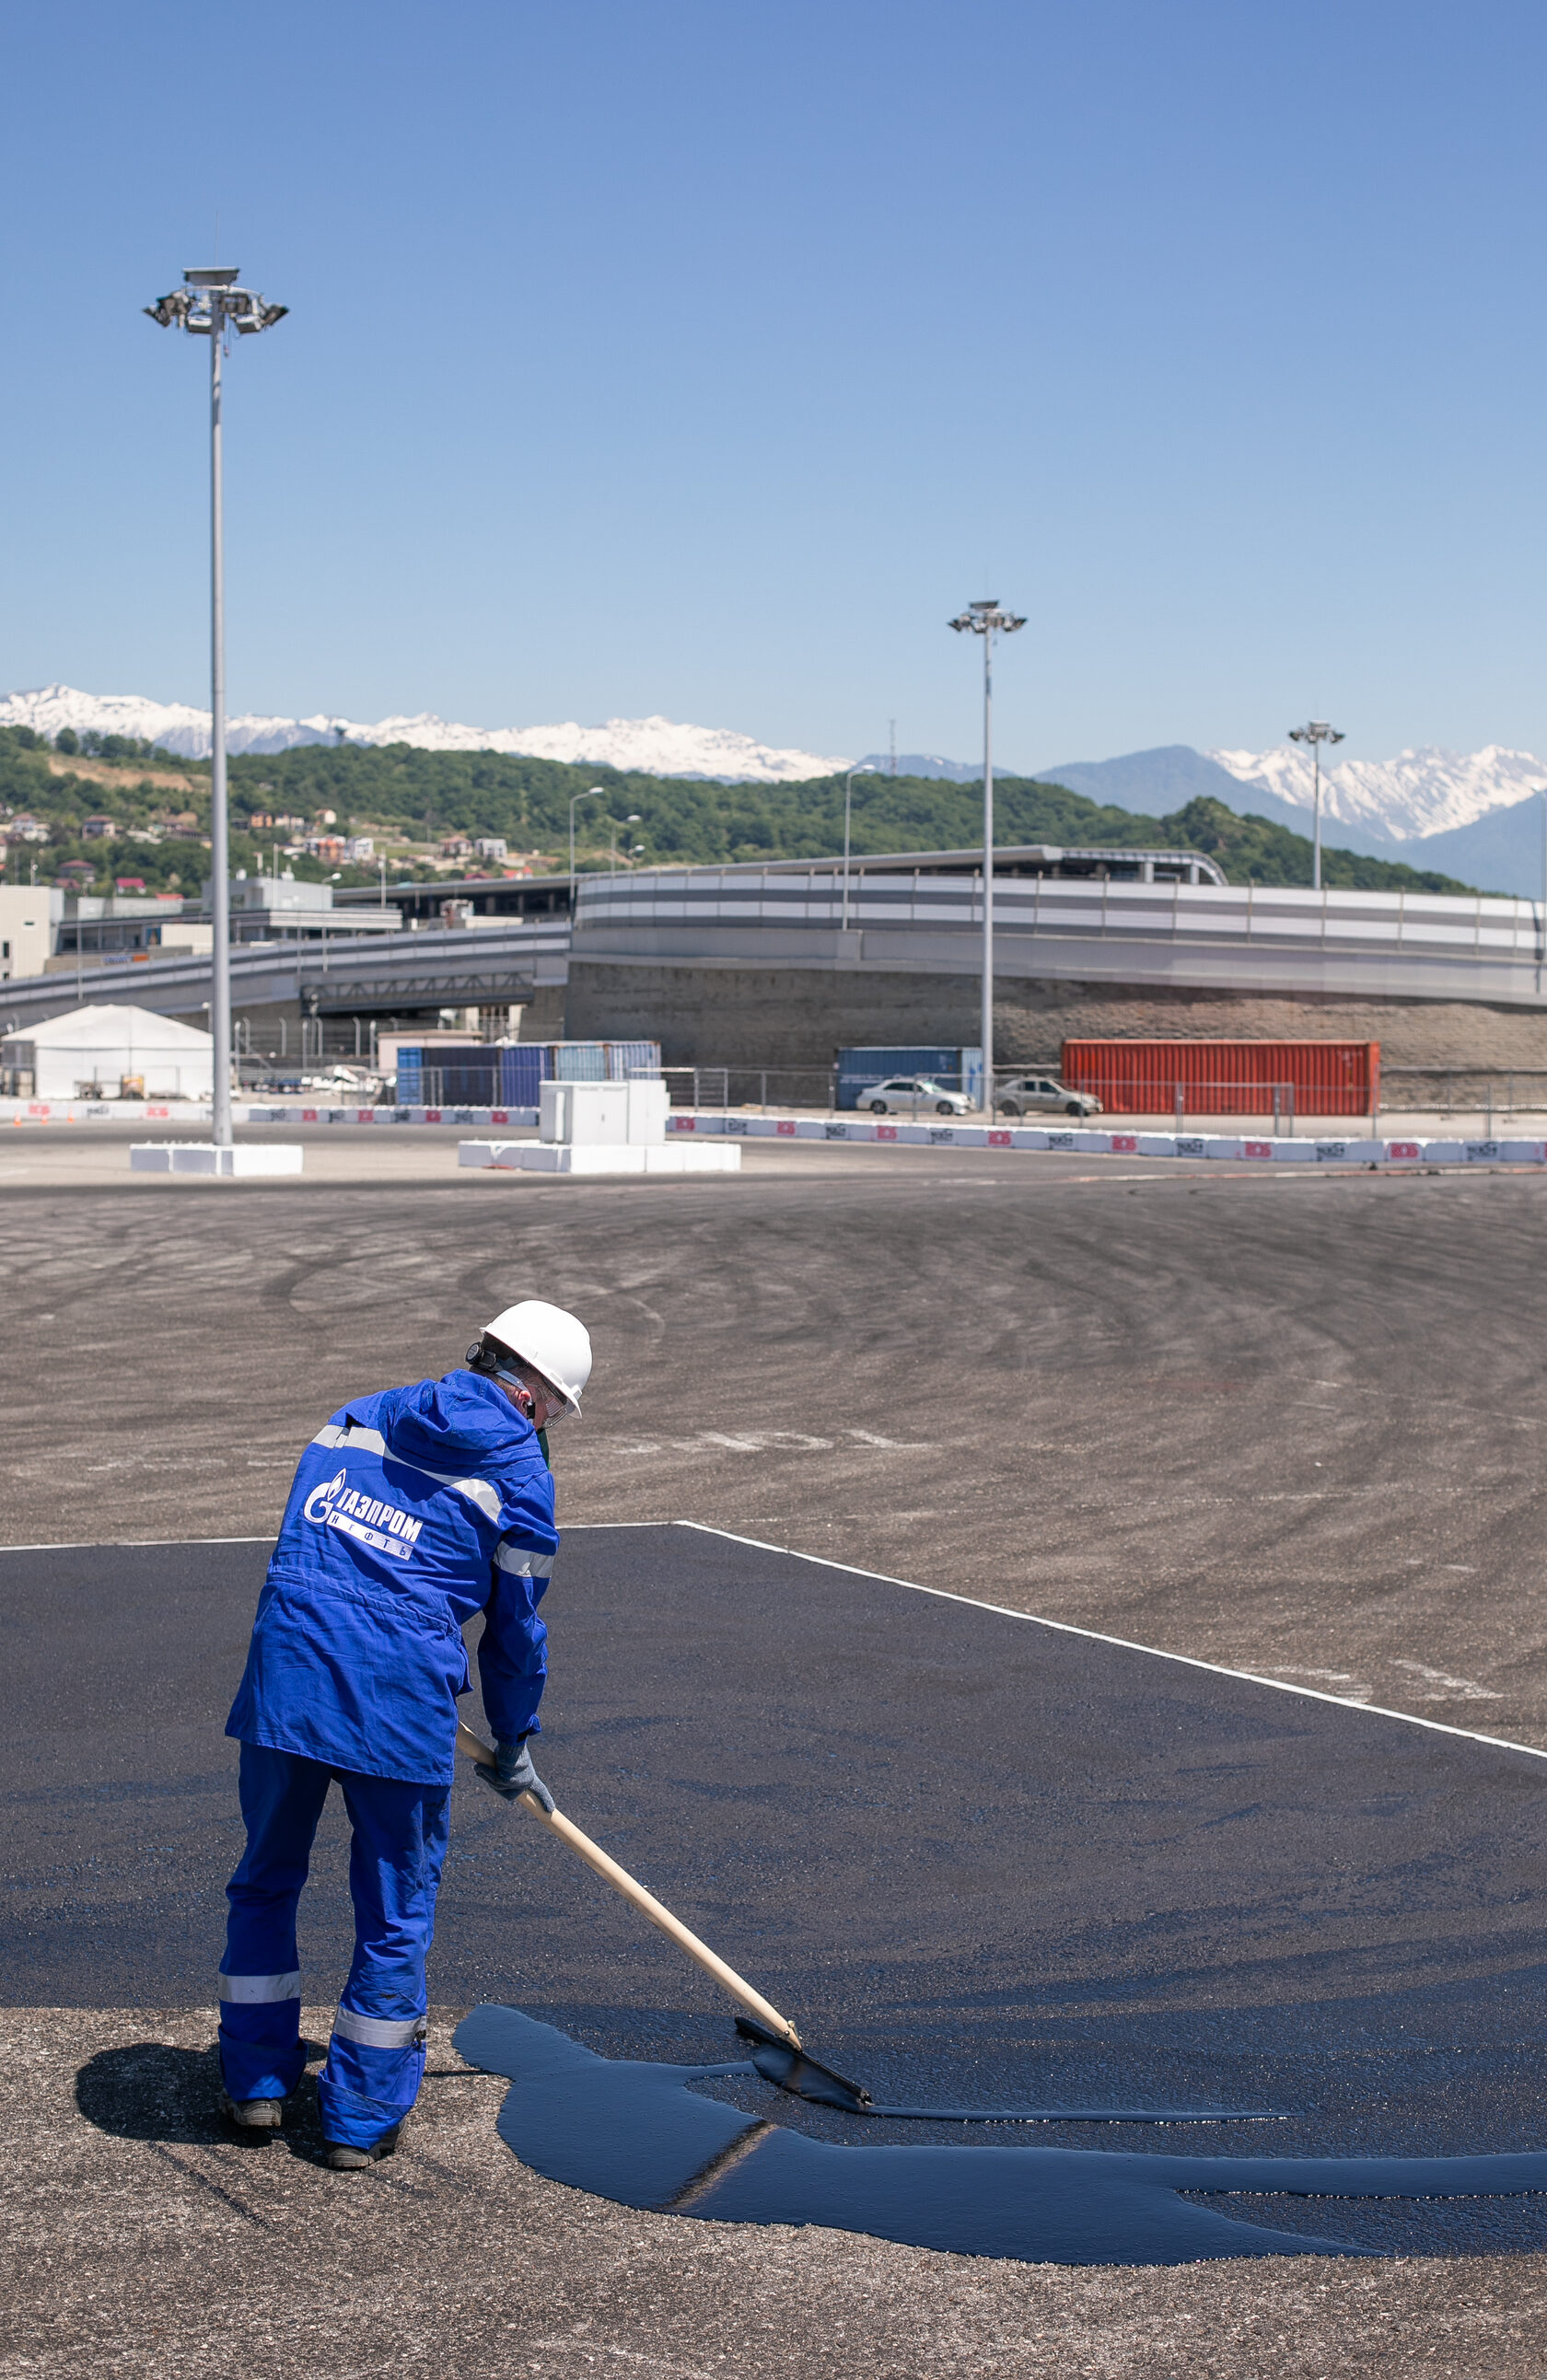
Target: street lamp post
{"type": "Point", "coordinates": [982, 620]}
{"type": "Point", "coordinates": [865, 768]}
{"type": "Point", "coordinates": [590, 795]}
{"type": "Point", "coordinates": [633, 818]}
{"type": "Point", "coordinates": [1316, 733]}
{"type": "Point", "coordinates": [210, 306]}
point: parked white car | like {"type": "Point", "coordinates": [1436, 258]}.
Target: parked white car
{"type": "Point", "coordinates": [1036, 1094]}
{"type": "Point", "coordinates": [912, 1095]}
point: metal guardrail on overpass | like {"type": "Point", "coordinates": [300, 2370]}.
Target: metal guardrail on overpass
{"type": "Point", "coordinates": [1413, 945]}
{"type": "Point", "coordinates": [1393, 945]}
{"type": "Point", "coordinates": [395, 974]}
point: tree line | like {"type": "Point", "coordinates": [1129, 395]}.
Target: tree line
{"type": "Point", "coordinates": [398, 790]}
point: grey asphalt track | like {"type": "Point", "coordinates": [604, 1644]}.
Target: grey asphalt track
{"type": "Point", "coordinates": [984, 1861]}
{"type": "Point", "coordinates": [1290, 1426]}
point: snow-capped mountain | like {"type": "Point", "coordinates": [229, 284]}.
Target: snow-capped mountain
{"type": "Point", "coordinates": [1420, 793]}
{"type": "Point", "coordinates": [661, 748]}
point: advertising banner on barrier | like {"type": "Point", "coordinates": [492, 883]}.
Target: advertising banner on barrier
{"type": "Point", "coordinates": [1078, 1142]}
{"type": "Point", "coordinates": [1007, 1138]}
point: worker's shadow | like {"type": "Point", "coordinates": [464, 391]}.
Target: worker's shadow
{"type": "Point", "coordinates": [153, 2091]}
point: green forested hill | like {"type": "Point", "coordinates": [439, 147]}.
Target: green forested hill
{"type": "Point", "coordinates": [412, 797]}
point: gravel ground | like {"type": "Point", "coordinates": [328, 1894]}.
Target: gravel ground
{"type": "Point", "coordinates": [1285, 1423]}
{"type": "Point", "coordinates": [148, 2243]}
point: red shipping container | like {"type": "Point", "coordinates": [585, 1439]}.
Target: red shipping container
{"type": "Point", "coordinates": [1321, 1078]}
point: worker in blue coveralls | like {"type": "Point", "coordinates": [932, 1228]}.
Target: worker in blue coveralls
{"type": "Point", "coordinates": [411, 1511]}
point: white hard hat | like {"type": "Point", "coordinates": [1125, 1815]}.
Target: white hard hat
{"type": "Point", "coordinates": [551, 1340]}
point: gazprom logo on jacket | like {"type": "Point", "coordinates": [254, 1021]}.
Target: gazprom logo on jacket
{"type": "Point", "coordinates": [380, 1525]}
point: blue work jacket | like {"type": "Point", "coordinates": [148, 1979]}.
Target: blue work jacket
{"type": "Point", "coordinates": [409, 1512]}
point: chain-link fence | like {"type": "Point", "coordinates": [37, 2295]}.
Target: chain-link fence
{"type": "Point", "coordinates": [756, 1088]}
{"type": "Point", "coordinates": [1451, 1091]}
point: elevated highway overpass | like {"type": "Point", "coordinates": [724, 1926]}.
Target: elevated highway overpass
{"type": "Point", "coordinates": [782, 965]}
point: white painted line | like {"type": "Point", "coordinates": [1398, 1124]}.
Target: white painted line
{"type": "Point", "coordinates": [884, 1578]}
{"type": "Point", "coordinates": [107, 1545]}
{"type": "Point", "coordinates": [1123, 1643]}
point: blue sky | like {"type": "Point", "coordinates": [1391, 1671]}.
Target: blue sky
{"type": "Point", "coordinates": [705, 359]}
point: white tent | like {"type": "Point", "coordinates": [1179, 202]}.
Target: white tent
{"type": "Point", "coordinates": [99, 1050]}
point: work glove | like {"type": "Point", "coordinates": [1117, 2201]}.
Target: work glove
{"type": "Point", "coordinates": [515, 1774]}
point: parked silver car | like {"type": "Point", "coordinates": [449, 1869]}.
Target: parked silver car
{"type": "Point", "coordinates": [1034, 1094]}
{"type": "Point", "coordinates": [912, 1095]}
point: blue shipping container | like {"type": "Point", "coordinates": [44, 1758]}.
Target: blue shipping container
{"type": "Point", "coordinates": [954, 1069]}
{"type": "Point", "coordinates": [510, 1073]}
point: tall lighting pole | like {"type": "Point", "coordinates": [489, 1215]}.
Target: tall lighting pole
{"type": "Point", "coordinates": [590, 795]}
{"type": "Point", "coordinates": [1316, 733]}
{"type": "Point", "coordinates": [984, 620]}
{"type": "Point", "coordinates": [210, 306]}
{"type": "Point", "coordinates": [865, 768]}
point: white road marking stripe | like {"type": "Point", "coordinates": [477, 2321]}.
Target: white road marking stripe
{"type": "Point", "coordinates": [1098, 1636]}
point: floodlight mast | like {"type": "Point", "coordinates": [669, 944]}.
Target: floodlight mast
{"type": "Point", "coordinates": [1316, 733]}
{"type": "Point", "coordinates": [210, 306]}
{"type": "Point", "coordinates": [861, 768]}
{"type": "Point", "coordinates": [984, 620]}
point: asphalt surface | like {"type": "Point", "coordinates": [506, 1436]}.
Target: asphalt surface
{"type": "Point", "coordinates": [1289, 1424]}
{"type": "Point", "coordinates": [1286, 1424]}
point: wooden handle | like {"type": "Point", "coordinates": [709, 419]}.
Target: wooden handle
{"type": "Point", "coordinates": [646, 1903]}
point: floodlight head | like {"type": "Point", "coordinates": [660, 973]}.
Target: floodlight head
{"type": "Point", "coordinates": [983, 618]}
{"type": "Point", "coordinates": [209, 303]}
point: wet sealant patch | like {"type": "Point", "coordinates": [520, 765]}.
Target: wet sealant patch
{"type": "Point", "coordinates": [641, 2135]}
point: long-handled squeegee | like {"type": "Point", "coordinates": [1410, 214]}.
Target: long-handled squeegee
{"type": "Point", "coordinates": [776, 2046]}
{"type": "Point", "coordinates": [777, 2050]}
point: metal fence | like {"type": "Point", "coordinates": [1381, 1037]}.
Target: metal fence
{"type": "Point", "coordinates": [1466, 1090]}
{"type": "Point", "coordinates": [757, 1087]}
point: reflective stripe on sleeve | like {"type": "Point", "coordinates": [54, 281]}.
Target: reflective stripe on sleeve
{"type": "Point", "coordinates": [252, 1989]}
{"type": "Point", "coordinates": [367, 1441]}
{"type": "Point", "coordinates": [371, 1441]}
{"type": "Point", "coordinates": [380, 2031]}
{"type": "Point", "coordinates": [523, 1561]}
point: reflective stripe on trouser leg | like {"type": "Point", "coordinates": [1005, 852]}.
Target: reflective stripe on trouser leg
{"type": "Point", "coordinates": [282, 1797]}
{"type": "Point", "coordinates": [377, 2057]}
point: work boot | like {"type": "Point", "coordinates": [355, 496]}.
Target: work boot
{"type": "Point", "coordinates": [253, 2115]}
{"type": "Point", "coordinates": [345, 2158]}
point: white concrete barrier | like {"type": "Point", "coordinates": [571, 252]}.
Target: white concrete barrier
{"type": "Point", "coordinates": [708, 1126]}
{"type": "Point", "coordinates": [246, 1161]}
{"type": "Point", "coordinates": [1078, 1141]}
{"type": "Point", "coordinates": [602, 1157]}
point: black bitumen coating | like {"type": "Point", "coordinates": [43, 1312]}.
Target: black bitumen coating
{"type": "Point", "coordinates": [980, 1862]}
{"type": "Point", "coordinates": [637, 2132]}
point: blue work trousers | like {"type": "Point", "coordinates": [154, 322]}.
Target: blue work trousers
{"type": "Point", "coordinates": [377, 2057]}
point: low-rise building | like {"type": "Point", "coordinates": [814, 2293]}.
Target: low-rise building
{"type": "Point", "coordinates": [30, 916]}
{"type": "Point", "coordinates": [98, 830]}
